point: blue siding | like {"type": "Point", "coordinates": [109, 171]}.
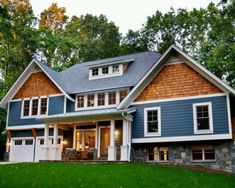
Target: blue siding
{"type": "Point", "coordinates": [15, 116]}
{"type": "Point", "coordinates": [177, 117]}
{"type": "Point", "coordinates": [70, 106]}
{"type": "Point", "coordinates": [56, 105]}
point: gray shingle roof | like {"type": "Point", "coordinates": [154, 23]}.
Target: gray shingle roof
{"type": "Point", "coordinates": [76, 78]}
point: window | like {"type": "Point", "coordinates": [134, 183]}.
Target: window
{"type": "Point", "coordinates": [115, 68]}
{"type": "Point", "coordinates": [164, 155]}
{"type": "Point", "coordinates": [90, 100]}
{"type": "Point", "coordinates": [34, 107]}
{"type": "Point", "coordinates": [152, 121]}
{"type": "Point", "coordinates": [80, 101]}
{"type": "Point", "coordinates": [158, 154]}
{"type": "Point", "coordinates": [101, 99]}
{"type": "Point", "coordinates": [202, 118]}
{"type": "Point", "coordinates": [29, 142]}
{"type": "Point", "coordinates": [203, 153]}
{"type": "Point", "coordinates": [123, 94]}
{"type": "Point", "coordinates": [85, 139]}
{"type": "Point", "coordinates": [105, 70]}
{"type": "Point", "coordinates": [112, 98]}
{"type": "Point", "coordinates": [18, 142]}
{"type": "Point", "coordinates": [41, 141]}
{"type": "Point", "coordinates": [26, 107]}
{"type": "Point", "coordinates": [43, 108]}
{"type": "Point", "coordinates": [95, 72]}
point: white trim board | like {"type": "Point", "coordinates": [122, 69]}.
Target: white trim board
{"type": "Point", "coordinates": [195, 118]}
{"type": "Point", "coordinates": [25, 127]}
{"type": "Point", "coordinates": [178, 99]}
{"type": "Point", "coordinates": [182, 138]}
{"type": "Point", "coordinates": [160, 64]}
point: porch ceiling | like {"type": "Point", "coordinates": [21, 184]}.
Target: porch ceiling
{"type": "Point", "coordinates": [84, 116]}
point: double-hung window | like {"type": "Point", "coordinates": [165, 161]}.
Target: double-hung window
{"type": "Point", "coordinates": [203, 121]}
{"type": "Point", "coordinates": [80, 101]}
{"type": "Point", "coordinates": [203, 153]}
{"type": "Point", "coordinates": [43, 106]}
{"type": "Point", "coordinates": [152, 121]}
{"type": "Point", "coordinates": [34, 109]}
{"type": "Point", "coordinates": [90, 100]}
{"type": "Point", "coordinates": [101, 99]}
{"type": "Point", "coordinates": [112, 98]}
{"type": "Point", "coordinates": [123, 94]}
{"type": "Point", "coordinates": [26, 107]}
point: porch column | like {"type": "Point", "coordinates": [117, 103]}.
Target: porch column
{"type": "Point", "coordinates": [55, 141]}
{"type": "Point", "coordinates": [46, 142]}
{"type": "Point", "coordinates": [112, 148]}
{"type": "Point", "coordinates": [124, 147]}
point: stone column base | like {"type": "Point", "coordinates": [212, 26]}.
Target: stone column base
{"type": "Point", "coordinates": [112, 153]}
{"type": "Point", "coordinates": [124, 153]}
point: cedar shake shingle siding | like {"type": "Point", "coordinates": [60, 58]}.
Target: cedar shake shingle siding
{"type": "Point", "coordinates": [177, 80]}
{"type": "Point", "coordinates": [38, 84]}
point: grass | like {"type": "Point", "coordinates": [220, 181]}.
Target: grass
{"type": "Point", "coordinates": [108, 175]}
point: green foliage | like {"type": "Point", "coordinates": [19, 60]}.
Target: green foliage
{"type": "Point", "coordinates": [206, 34]}
{"type": "Point", "coordinates": [97, 37]}
{"type": "Point", "coordinates": [133, 42]}
{"type": "Point", "coordinates": [108, 175]}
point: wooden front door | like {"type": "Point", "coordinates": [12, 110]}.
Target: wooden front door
{"type": "Point", "coordinates": [104, 141]}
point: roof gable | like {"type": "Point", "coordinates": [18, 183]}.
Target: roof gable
{"type": "Point", "coordinates": [160, 64]}
{"type": "Point", "coordinates": [33, 66]}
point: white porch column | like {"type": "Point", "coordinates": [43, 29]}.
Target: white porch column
{"type": "Point", "coordinates": [46, 142]}
{"type": "Point", "coordinates": [112, 148]}
{"type": "Point", "coordinates": [55, 141]}
{"type": "Point", "coordinates": [124, 147]}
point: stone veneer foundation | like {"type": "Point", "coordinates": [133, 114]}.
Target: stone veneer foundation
{"type": "Point", "coordinates": [181, 154]}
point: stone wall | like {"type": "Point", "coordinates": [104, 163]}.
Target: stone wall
{"type": "Point", "coordinates": [182, 155]}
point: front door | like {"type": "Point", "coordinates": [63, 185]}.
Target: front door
{"type": "Point", "coordinates": [104, 141]}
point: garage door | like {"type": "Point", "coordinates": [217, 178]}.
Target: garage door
{"type": "Point", "coordinates": [40, 151]}
{"type": "Point", "coordinates": [22, 150]}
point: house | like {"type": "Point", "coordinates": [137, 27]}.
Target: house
{"type": "Point", "coordinates": [141, 107]}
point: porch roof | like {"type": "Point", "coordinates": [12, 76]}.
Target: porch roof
{"type": "Point", "coordinates": [90, 115]}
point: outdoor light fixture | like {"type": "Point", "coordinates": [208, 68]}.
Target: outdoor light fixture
{"type": "Point", "coordinates": [64, 142]}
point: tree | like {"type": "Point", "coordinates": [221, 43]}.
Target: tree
{"type": "Point", "coordinates": [17, 39]}
{"type": "Point", "coordinates": [97, 37]}
{"type": "Point", "coordinates": [199, 33]}
{"type": "Point", "coordinates": [132, 43]}
{"type": "Point", "coordinates": [53, 18]}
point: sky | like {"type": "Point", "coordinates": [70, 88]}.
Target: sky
{"type": "Point", "coordinates": [126, 14]}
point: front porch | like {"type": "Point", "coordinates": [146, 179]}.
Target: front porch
{"type": "Point", "coordinates": [90, 137]}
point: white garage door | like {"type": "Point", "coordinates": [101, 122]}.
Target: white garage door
{"type": "Point", "coordinates": [22, 150]}
{"type": "Point", "coordinates": [40, 151]}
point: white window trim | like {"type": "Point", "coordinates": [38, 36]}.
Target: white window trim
{"type": "Point", "coordinates": [146, 134]}
{"type": "Point", "coordinates": [203, 156]}
{"type": "Point", "coordinates": [210, 130]}
{"type": "Point", "coordinates": [158, 156]}
{"type": "Point", "coordinates": [30, 107]}
{"type": "Point", "coordinates": [106, 102]}
{"type": "Point", "coordinates": [108, 75]}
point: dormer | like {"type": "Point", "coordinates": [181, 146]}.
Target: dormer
{"type": "Point", "coordinates": [109, 69]}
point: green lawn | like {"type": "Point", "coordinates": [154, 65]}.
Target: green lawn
{"type": "Point", "coordinates": [108, 175]}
